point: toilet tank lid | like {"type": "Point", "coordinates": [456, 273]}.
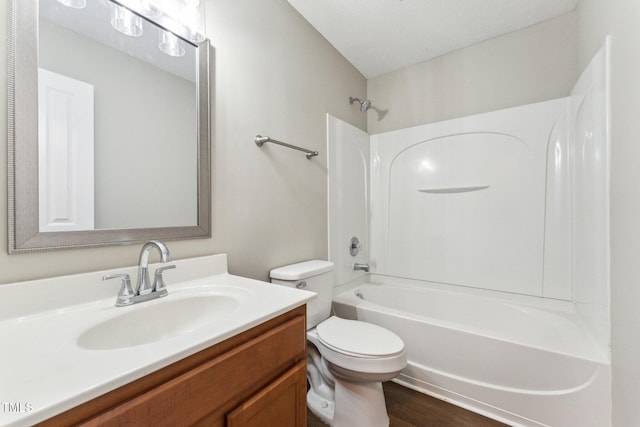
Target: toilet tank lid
{"type": "Point", "coordinates": [301, 270]}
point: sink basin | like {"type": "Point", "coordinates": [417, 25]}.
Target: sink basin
{"type": "Point", "coordinates": [159, 320]}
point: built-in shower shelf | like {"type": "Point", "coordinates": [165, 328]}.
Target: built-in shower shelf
{"type": "Point", "coordinates": [444, 190]}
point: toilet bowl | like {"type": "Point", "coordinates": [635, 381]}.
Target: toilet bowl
{"type": "Point", "coordinates": [346, 359]}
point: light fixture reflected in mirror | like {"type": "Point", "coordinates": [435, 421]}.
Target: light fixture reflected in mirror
{"type": "Point", "coordinates": [125, 21]}
{"type": "Point", "coordinates": [184, 18]}
{"type": "Point", "coordinates": [76, 4]}
{"type": "Point", "coordinates": [171, 44]}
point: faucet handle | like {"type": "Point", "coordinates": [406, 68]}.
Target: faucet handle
{"type": "Point", "coordinates": [158, 281]}
{"type": "Point", "coordinates": [126, 294]}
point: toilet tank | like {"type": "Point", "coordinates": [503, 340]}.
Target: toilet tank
{"type": "Point", "coordinates": [316, 276]}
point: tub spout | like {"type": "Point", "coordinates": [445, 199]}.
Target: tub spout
{"type": "Point", "coordinates": [361, 266]}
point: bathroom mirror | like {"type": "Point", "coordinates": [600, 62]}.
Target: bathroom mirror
{"type": "Point", "coordinates": [108, 128]}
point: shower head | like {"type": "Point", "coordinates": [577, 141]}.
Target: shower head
{"type": "Point", "coordinates": [364, 105]}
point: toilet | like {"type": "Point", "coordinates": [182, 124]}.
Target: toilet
{"type": "Point", "coordinates": [347, 360]}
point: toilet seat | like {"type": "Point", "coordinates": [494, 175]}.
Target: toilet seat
{"type": "Point", "coordinates": [358, 339]}
{"type": "Point", "coordinates": [355, 364]}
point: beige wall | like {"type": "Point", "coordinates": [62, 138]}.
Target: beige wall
{"type": "Point", "coordinates": [596, 19]}
{"type": "Point", "coordinates": [275, 75]}
{"type": "Point", "coordinates": [535, 64]}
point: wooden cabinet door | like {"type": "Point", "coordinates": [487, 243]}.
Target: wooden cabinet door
{"type": "Point", "coordinates": [280, 404]}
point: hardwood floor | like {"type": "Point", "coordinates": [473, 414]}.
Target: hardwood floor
{"type": "Point", "coordinates": [408, 408]}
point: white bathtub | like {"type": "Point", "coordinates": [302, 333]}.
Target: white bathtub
{"type": "Point", "coordinates": [522, 360]}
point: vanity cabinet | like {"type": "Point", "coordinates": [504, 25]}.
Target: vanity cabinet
{"type": "Point", "coordinates": [256, 378]}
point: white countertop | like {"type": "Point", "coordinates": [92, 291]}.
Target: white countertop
{"type": "Point", "coordinates": [43, 371]}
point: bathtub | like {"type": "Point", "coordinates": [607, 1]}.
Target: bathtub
{"type": "Point", "coordinates": [521, 360]}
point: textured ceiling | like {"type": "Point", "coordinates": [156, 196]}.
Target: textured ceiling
{"type": "Point", "coordinates": [379, 36]}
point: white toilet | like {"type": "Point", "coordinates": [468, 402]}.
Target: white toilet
{"type": "Point", "coordinates": [346, 359]}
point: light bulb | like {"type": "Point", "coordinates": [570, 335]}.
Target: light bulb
{"type": "Point", "coordinates": [125, 21]}
{"type": "Point", "coordinates": [171, 44]}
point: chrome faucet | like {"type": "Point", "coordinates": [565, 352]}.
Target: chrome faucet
{"type": "Point", "coordinates": [143, 286]}
{"type": "Point", "coordinates": [144, 290]}
{"type": "Point", "coordinates": [360, 266]}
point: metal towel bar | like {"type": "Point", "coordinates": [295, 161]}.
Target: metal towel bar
{"type": "Point", "coordinates": [260, 140]}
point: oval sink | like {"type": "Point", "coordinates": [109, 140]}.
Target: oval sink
{"type": "Point", "coordinates": [167, 318]}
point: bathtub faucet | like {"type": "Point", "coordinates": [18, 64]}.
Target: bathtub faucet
{"type": "Point", "coordinates": [359, 266]}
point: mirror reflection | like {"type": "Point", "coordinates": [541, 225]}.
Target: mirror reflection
{"type": "Point", "coordinates": [117, 119]}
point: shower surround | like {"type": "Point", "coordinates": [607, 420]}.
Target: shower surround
{"type": "Point", "coordinates": [487, 237]}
